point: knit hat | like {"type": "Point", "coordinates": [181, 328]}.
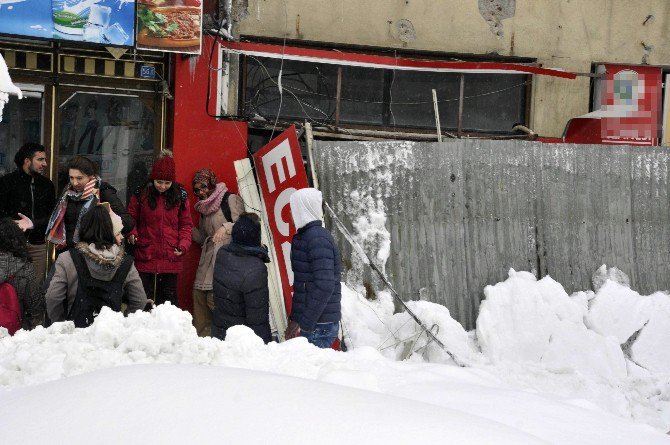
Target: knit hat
{"type": "Point", "coordinates": [246, 231]}
{"type": "Point", "coordinates": [205, 176]}
{"type": "Point", "coordinates": [163, 168]}
{"type": "Point", "coordinates": [117, 223]}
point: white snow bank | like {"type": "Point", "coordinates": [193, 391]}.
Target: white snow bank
{"type": "Point", "coordinates": [651, 349]}
{"type": "Point", "coordinates": [525, 320]}
{"type": "Point", "coordinates": [401, 403]}
{"type": "Point", "coordinates": [619, 311]}
{"type": "Point", "coordinates": [7, 87]}
{"type": "Point", "coordinates": [188, 404]}
{"type": "Point", "coordinates": [572, 361]}
{"type": "Point", "coordinates": [397, 336]}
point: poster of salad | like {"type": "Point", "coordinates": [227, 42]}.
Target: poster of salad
{"type": "Point", "coordinates": [105, 22]}
{"type": "Point", "coordinates": [169, 25]}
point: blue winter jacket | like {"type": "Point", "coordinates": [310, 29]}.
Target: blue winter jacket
{"type": "Point", "coordinates": [316, 277]}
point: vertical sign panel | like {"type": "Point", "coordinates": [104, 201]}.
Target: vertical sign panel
{"type": "Point", "coordinates": [280, 173]}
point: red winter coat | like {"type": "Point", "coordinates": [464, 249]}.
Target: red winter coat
{"type": "Point", "coordinates": [159, 232]}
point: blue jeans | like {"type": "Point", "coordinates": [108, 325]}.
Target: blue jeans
{"type": "Point", "coordinates": [323, 335]}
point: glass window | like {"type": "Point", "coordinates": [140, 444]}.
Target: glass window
{"type": "Point", "coordinates": [362, 97]}
{"type": "Point", "coordinates": [308, 89]}
{"type": "Point", "coordinates": [116, 131]}
{"type": "Point", "coordinates": [392, 99]}
{"type": "Point", "coordinates": [494, 102]}
{"type": "Point", "coordinates": [21, 123]}
{"type": "Point", "coordinates": [412, 99]}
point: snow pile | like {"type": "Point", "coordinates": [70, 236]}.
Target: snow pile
{"type": "Point", "coordinates": [525, 320]}
{"type": "Point", "coordinates": [169, 397]}
{"type": "Point", "coordinates": [397, 336]}
{"type": "Point", "coordinates": [604, 274]}
{"type": "Point", "coordinates": [606, 347]}
{"type": "Point", "coordinates": [640, 323]}
{"type": "Point", "coordinates": [224, 405]}
{"type": "Point", "coordinates": [7, 87]}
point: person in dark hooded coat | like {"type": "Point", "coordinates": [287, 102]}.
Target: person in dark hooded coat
{"type": "Point", "coordinates": [241, 295]}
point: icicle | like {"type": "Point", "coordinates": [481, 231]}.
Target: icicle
{"type": "Point", "coordinates": [192, 62]}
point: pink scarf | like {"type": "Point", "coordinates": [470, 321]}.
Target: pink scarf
{"type": "Point", "coordinates": [212, 203]}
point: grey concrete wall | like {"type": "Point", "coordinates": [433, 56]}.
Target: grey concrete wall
{"type": "Point", "coordinates": [461, 213]}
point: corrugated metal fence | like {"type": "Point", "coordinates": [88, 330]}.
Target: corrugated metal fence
{"type": "Point", "coordinates": [461, 213]}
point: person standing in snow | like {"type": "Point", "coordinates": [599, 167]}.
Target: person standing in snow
{"type": "Point", "coordinates": [162, 232]}
{"type": "Point", "coordinates": [241, 295]}
{"type": "Point", "coordinates": [29, 197]}
{"type": "Point", "coordinates": [218, 209]}
{"type": "Point", "coordinates": [99, 263]}
{"type": "Point", "coordinates": [84, 191]}
{"type": "Point", "coordinates": [16, 268]}
{"type": "Point", "coordinates": [316, 265]}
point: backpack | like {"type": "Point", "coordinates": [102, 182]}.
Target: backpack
{"type": "Point", "coordinates": [10, 308]}
{"type": "Point", "coordinates": [93, 294]}
{"type": "Point", "coordinates": [225, 207]}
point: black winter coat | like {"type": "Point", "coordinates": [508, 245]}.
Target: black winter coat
{"type": "Point", "coordinates": [316, 265]}
{"type": "Point", "coordinates": [241, 295]}
{"type": "Point", "coordinates": [107, 194]}
{"type": "Point", "coordinates": [16, 197]}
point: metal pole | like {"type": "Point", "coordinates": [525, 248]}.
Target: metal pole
{"type": "Point", "coordinates": [437, 117]}
{"type": "Point", "coordinates": [338, 96]}
{"type": "Point", "coordinates": [310, 153]}
{"type": "Point", "coordinates": [461, 93]}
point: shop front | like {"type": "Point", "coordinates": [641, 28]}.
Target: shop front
{"type": "Point", "coordinates": [85, 101]}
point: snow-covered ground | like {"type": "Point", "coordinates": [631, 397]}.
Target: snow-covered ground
{"type": "Point", "coordinates": [542, 367]}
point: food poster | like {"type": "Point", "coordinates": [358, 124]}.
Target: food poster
{"type": "Point", "coordinates": [169, 25]}
{"type": "Point", "coordinates": [105, 22]}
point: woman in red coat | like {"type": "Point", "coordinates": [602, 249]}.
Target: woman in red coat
{"type": "Point", "coordinates": [162, 230]}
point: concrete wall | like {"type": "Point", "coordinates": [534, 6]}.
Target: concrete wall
{"type": "Point", "coordinates": [560, 33]}
{"type": "Point", "coordinates": [461, 213]}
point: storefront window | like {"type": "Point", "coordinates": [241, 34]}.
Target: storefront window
{"type": "Point", "coordinates": [21, 123]}
{"type": "Point", "coordinates": [116, 131]}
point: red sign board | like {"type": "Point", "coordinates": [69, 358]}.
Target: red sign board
{"type": "Point", "coordinates": [628, 104]}
{"type": "Point", "coordinates": [280, 173]}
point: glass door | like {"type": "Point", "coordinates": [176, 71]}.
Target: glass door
{"type": "Point", "coordinates": [120, 132]}
{"type": "Point", "coordinates": [22, 122]}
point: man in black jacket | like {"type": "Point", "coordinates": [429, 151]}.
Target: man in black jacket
{"type": "Point", "coordinates": [29, 197]}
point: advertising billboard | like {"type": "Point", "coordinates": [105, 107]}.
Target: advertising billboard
{"type": "Point", "coordinates": [104, 22]}
{"type": "Point", "coordinates": [169, 25]}
{"type": "Point", "coordinates": [280, 173]}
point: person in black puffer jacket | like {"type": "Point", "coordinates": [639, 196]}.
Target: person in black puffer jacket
{"type": "Point", "coordinates": [316, 265]}
{"type": "Point", "coordinates": [241, 295]}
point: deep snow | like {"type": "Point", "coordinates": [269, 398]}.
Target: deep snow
{"type": "Point", "coordinates": [510, 399]}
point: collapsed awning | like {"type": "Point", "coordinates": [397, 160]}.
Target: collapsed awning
{"type": "Point", "coordinates": [375, 61]}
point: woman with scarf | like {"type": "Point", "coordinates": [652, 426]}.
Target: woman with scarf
{"type": "Point", "coordinates": [162, 232]}
{"type": "Point", "coordinates": [218, 209]}
{"type": "Point", "coordinates": [84, 191]}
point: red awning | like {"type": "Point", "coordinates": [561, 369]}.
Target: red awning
{"type": "Point", "coordinates": [398, 63]}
